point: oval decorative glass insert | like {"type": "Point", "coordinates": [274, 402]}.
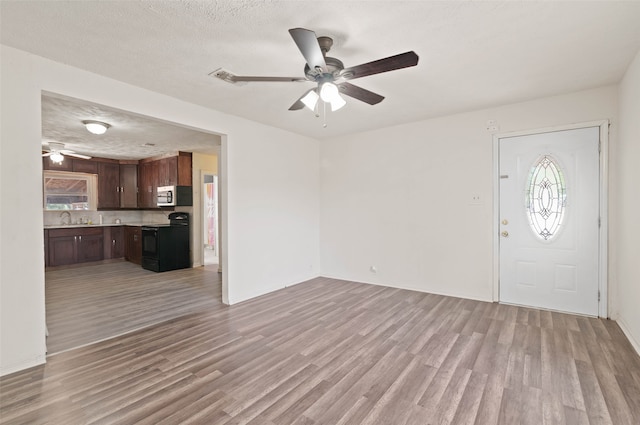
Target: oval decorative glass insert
{"type": "Point", "coordinates": [546, 194]}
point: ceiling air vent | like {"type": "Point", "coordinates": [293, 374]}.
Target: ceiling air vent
{"type": "Point", "coordinates": [224, 75]}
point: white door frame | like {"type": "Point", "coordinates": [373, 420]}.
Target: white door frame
{"type": "Point", "coordinates": [603, 310]}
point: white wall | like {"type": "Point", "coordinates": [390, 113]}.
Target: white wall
{"type": "Point", "coordinates": [272, 204]}
{"type": "Point", "coordinates": [399, 198]}
{"type": "Point", "coordinates": [628, 177]}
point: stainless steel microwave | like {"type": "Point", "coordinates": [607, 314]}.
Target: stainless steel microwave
{"type": "Point", "coordinates": [175, 196]}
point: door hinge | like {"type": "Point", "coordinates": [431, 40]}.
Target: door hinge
{"type": "Point", "coordinates": [598, 295]}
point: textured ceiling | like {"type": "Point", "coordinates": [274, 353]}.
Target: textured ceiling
{"type": "Point", "coordinates": [472, 54]}
{"type": "Point", "coordinates": [130, 136]}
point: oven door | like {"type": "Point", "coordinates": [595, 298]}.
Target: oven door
{"type": "Point", "coordinates": [150, 242]}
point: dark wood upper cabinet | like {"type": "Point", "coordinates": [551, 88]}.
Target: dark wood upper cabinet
{"type": "Point", "coordinates": [147, 172]}
{"type": "Point", "coordinates": [85, 166]}
{"type": "Point", "coordinates": [128, 186]}
{"type": "Point", "coordinates": [108, 185]}
{"type": "Point", "coordinates": [185, 166]}
{"type": "Point", "coordinates": [76, 165]}
{"type": "Point", "coordinates": [168, 171]}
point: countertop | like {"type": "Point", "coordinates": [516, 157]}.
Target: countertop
{"type": "Point", "coordinates": [69, 226]}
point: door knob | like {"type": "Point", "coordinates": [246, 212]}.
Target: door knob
{"type": "Point", "coordinates": [504, 234]}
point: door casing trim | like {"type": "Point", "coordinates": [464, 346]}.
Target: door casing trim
{"type": "Point", "coordinates": [603, 237]}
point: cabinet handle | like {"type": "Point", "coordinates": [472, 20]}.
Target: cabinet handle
{"type": "Point", "coordinates": [80, 238]}
{"type": "Point", "coordinates": [114, 242]}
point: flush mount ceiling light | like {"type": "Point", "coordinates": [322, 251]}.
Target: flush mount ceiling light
{"type": "Point", "coordinates": [96, 127]}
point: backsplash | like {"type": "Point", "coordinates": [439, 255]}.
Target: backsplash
{"type": "Point", "coordinates": [52, 218]}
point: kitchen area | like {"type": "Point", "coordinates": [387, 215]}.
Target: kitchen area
{"type": "Point", "coordinates": [124, 212]}
{"type": "Point", "coordinates": [98, 209]}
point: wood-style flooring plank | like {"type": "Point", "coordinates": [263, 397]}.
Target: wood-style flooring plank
{"type": "Point", "coordinates": [324, 352]}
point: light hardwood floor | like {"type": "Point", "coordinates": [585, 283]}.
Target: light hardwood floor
{"type": "Point", "coordinates": [86, 303]}
{"type": "Point", "coordinates": [336, 352]}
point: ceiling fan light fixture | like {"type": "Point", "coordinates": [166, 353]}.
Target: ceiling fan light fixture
{"type": "Point", "coordinates": [96, 127]}
{"type": "Point", "coordinates": [57, 157]}
{"type": "Point", "coordinates": [310, 100]}
{"type": "Point", "coordinates": [329, 92]}
{"type": "Point", "coordinates": [337, 103]}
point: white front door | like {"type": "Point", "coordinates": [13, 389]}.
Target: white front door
{"type": "Point", "coordinates": [549, 220]}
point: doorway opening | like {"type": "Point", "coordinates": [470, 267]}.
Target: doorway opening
{"type": "Point", "coordinates": [210, 232]}
{"type": "Point", "coordinates": [95, 287]}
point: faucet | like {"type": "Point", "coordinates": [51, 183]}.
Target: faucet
{"type": "Point", "coordinates": [68, 216]}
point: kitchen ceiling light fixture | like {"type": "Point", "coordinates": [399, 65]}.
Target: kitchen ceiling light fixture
{"type": "Point", "coordinates": [96, 127]}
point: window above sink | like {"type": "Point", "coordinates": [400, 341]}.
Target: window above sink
{"type": "Point", "coordinates": [64, 191]}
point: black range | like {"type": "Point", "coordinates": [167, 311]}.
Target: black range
{"type": "Point", "coordinates": [166, 246]}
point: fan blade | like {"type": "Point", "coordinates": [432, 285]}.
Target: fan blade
{"type": "Point", "coordinates": [299, 104]}
{"type": "Point", "coordinates": [307, 42]}
{"type": "Point", "coordinates": [403, 60]}
{"type": "Point", "coordinates": [359, 93]}
{"type": "Point", "coordinates": [47, 154]}
{"type": "Point", "coordinates": [237, 79]}
{"type": "Point", "coordinates": [77, 155]}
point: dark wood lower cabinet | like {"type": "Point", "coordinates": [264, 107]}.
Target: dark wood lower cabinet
{"type": "Point", "coordinates": [133, 244]}
{"type": "Point", "coordinates": [113, 242]}
{"type": "Point", "coordinates": [79, 245]}
{"type": "Point", "coordinates": [75, 245]}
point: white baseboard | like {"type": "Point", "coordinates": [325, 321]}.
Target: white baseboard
{"type": "Point", "coordinates": [629, 335]}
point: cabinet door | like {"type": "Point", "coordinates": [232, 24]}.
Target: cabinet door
{"type": "Point", "coordinates": [85, 166]}
{"type": "Point", "coordinates": [62, 250]}
{"type": "Point", "coordinates": [147, 185]}
{"type": "Point", "coordinates": [168, 171]}
{"type": "Point", "coordinates": [128, 186]}
{"type": "Point", "coordinates": [90, 245]}
{"type": "Point", "coordinates": [117, 242]}
{"type": "Point", "coordinates": [185, 169]}
{"type": "Point", "coordinates": [108, 185]}
{"type": "Point", "coordinates": [133, 247]}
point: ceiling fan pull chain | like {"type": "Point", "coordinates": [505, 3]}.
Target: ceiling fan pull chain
{"type": "Point", "coordinates": [324, 114]}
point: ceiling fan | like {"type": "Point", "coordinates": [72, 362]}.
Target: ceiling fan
{"type": "Point", "coordinates": [329, 73]}
{"type": "Point", "coordinates": [57, 151]}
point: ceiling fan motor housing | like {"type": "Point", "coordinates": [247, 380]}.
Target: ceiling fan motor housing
{"type": "Point", "coordinates": [334, 66]}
